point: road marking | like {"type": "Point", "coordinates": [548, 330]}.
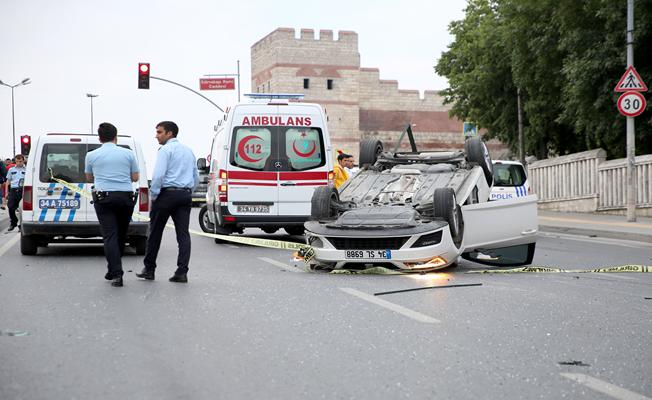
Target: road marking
{"type": "Point", "coordinates": [283, 266]}
{"type": "Point", "coordinates": [391, 306]}
{"type": "Point", "coordinates": [581, 221]}
{"type": "Point", "coordinates": [603, 387]}
{"type": "Point", "coordinates": [232, 246]}
{"type": "Point", "coordinates": [8, 245]}
{"type": "Point", "coordinates": [583, 238]}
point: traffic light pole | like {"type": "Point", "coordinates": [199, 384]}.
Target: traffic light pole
{"type": "Point", "coordinates": [187, 88]}
{"type": "Point", "coordinates": [13, 122]}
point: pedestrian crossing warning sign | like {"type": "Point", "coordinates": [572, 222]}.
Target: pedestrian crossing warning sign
{"type": "Point", "coordinates": [631, 80]}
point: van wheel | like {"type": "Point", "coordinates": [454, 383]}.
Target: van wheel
{"type": "Point", "coordinates": [140, 245]}
{"type": "Point", "coordinates": [294, 230]}
{"type": "Point", "coordinates": [323, 202]}
{"type": "Point", "coordinates": [370, 149]}
{"type": "Point", "coordinates": [204, 222]}
{"type": "Point", "coordinates": [477, 153]}
{"type": "Point", "coordinates": [446, 208]}
{"type": "Point", "coordinates": [28, 245]}
{"type": "Point", "coordinates": [269, 229]}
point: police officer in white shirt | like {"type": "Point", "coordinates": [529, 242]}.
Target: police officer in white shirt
{"type": "Point", "coordinates": [174, 179]}
{"type": "Point", "coordinates": [14, 189]}
{"type": "Point", "coordinates": [112, 169]}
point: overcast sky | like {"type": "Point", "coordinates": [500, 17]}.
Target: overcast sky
{"type": "Point", "coordinates": [73, 47]}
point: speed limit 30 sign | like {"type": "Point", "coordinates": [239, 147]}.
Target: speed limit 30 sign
{"type": "Point", "coordinates": [631, 104]}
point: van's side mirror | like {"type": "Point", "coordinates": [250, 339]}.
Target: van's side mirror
{"type": "Point", "coordinates": [201, 164]}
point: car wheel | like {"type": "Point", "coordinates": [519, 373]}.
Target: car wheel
{"type": "Point", "coordinates": [294, 230]}
{"type": "Point", "coordinates": [204, 222]}
{"type": "Point", "coordinates": [446, 208]}
{"type": "Point", "coordinates": [322, 204]}
{"type": "Point", "coordinates": [370, 149]}
{"type": "Point", "coordinates": [28, 245]}
{"type": "Point", "coordinates": [477, 153]}
{"type": "Point", "coordinates": [139, 244]}
{"type": "Point", "coordinates": [269, 229]}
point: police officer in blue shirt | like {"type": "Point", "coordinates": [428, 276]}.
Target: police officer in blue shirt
{"type": "Point", "coordinates": [14, 189]}
{"type": "Point", "coordinates": [112, 169]}
{"type": "Point", "coordinates": [174, 179]}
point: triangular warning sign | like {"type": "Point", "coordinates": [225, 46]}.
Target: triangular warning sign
{"type": "Point", "coordinates": [631, 80]}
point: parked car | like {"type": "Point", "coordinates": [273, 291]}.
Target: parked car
{"type": "Point", "coordinates": [199, 195]}
{"type": "Point", "coordinates": [510, 180]}
{"type": "Point", "coordinates": [420, 211]}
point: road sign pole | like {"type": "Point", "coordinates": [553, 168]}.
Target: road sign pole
{"type": "Point", "coordinates": [631, 147]}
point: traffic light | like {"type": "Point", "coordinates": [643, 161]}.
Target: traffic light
{"type": "Point", "coordinates": [25, 144]}
{"type": "Point", "coordinates": [143, 75]}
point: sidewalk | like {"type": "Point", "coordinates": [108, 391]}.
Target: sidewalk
{"type": "Point", "coordinates": [609, 226]}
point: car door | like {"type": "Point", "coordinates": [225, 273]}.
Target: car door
{"type": "Point", "coordinates": [57, 203]}
{"type": "Point", "coordinates": [253, 171]}
{"type": "Point", "coordinates": [305, 151]}
{"type": "Point", "coordinates": [501, 229]}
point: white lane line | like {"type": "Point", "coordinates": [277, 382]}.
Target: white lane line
{"type": "Point", "coordinates": [603, 387]}
{"type": "Point", "coordinates": [283, 266]}
{"type": "Point", "coordinates": [391, 306]}
{"type": "Point", "coordinates": [232, 246]}
{"type": "Point", "coordinates": [612, 275]}
{"type": "Point", "coordinates": [9, 244]}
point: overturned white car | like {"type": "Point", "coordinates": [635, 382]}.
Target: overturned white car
{"type": "Point", "coordinates": [420, 211]}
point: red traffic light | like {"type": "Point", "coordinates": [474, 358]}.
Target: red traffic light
{"type": "Point", "coordinates": [143, 75]}
{"type": "Point", "coordinates": [25, 144]}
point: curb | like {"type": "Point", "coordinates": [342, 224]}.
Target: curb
{"type": "Point", "coordinates": [637, 237]}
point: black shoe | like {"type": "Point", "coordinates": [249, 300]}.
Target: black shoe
{"type": "Point", "coordinates": [117, 282]}
{"type": "Point", "coordinates": [146, 274]}
{"type": "Point", "coordinates": [11, 228]}
{"type": "Point", "coordinates": [108, 276]}
{"type": "Point", "coordinates": [182, 278]}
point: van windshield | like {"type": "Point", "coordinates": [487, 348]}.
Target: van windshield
{"type": "Point", "coordinates": [65, 161]}
{"type": "Point", "coordinates": [277, 148]}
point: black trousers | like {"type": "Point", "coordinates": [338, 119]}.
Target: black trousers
{"type": "Point", "coordinates": [175, 204]}
{"type": "Point", "coordinates": [114, 213]}
{"type": "Point", "coordinates": [13, 201]}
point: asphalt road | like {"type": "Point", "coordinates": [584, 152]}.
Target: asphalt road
{"type": "Point", "coordinates": [248, 325]}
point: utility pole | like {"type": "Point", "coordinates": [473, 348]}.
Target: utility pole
{"type": "Point", "coordinates": [91, 96]}
{"type": "Point", "coordinates": [521, 141]}
{"type": "Point", "coordinates": [631, 147]}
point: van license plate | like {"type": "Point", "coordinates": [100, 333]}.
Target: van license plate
{"type": "Point", "coordinates": [368, 254]}
{"type": "Point", "coordinates": [261, 209]}
{"type": "Point", "coordinates": [58, 203]}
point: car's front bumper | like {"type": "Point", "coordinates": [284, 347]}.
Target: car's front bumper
{"type": "Point", "coordinates": [427, 247]}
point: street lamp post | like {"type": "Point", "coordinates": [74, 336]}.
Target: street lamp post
{"type": "Point", "coordinates": [90, 96]}
{"type": "Point", "coordinates": [25, 81]}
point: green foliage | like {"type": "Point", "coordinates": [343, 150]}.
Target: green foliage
{"type": "Point", "coordinates": [565, 56]}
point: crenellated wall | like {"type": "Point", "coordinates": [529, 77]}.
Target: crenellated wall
{"type": "Point", "coordinates": [359, 104]}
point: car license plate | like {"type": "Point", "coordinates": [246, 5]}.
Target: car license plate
{"type": "Point", "coordinates": [368, 254]}
{"type": "Point", "coordinates": [261, 209]}
{"type": "Point", "coordinates": [58, 203]}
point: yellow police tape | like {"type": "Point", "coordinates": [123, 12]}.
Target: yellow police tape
{"type": "Point", "coordinates": [544, 270]}
{"type": "Point", "coordinates": [306, 252]}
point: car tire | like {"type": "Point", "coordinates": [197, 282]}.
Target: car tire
{"type": "Point", "coordinates": [269, 229]}
{"type": "Point", "coordinates": [140, 245]}
{"type": "Point", "coordinates": [204, 222]}
{"type": "Point", "coordinates": [294, 230]}
{"type": "Point", "coordinates": [321, 204]}
{"type": "Point", "coordinates": [477, 153]}
{"type": "Point", "coordinates": [370, 149]}
{"type": "Point", "coordinates": [28, 245]}
{"type": "Point", "coordinates": [445, 207]}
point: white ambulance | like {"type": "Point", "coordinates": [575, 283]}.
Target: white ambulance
{"type": "Point", "coordinates": [267, 158]}
{"type": "Point", "coordinates": [52, 213]}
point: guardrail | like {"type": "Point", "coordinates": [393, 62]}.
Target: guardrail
{"type": "Point", "coordinates": [586, 182]}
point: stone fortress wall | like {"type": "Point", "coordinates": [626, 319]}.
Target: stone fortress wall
{"type": "Point", "coordinates": [358, 103]}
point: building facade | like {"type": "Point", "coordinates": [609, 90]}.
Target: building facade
{"type": "Point", "coordinates": [357, 102]}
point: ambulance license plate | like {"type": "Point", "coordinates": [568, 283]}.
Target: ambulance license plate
{"type": "Point", "coordinates": [368, 254]}
{"type": "Point", "coordinates": [58, 203]}
{"type": "Point", "coordinates": [253, 208]}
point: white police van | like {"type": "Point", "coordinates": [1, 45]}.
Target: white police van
{"type": "Point", "coordinates": [510, 180]}
{"type": "Point", "coordinates": [267, 158]}
{"type": "Point", "coordinates": [52, 213]}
